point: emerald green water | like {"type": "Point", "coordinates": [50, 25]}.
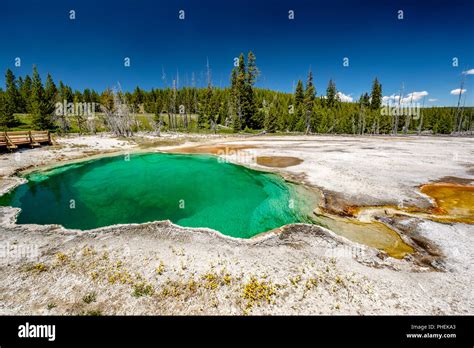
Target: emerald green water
{"type": "Point", "coordinates": [189, 190]}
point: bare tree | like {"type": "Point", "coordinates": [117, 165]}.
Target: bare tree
{"type": "Point", "coordinates": [461, 116]}
{"type": "Point", "coordinates": [361, 120]}
{"type": "Point", "coordinates": [63, 121]}
{"type": "Point", "coordinates": [119, 118]}
{"type": "Point", "coordinates": [408, 117]}
{"type": "Point", "coordinates": [158, 123]}
{"type": "Point", "coordinates": [420, 125]}
{"type": "Point", "coordinates": [395, 125]}
{"type": "Point", "coordinates": [172, 107]}
{"type": "Point", "coordinates": [458, 117]}
{"type": "Point", "coordinates": [91, 124]}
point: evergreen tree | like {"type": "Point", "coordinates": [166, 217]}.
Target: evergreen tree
{"type": "Point", "coordinates": [137, 98]}
{"type": "Point", "coordinates": [20, 103]}
{"type": "Point", "coordinates": [376, 95]}
{"type": "Point", "coordinates": [316, 115]}
{"type": "Point", "coordinates": [299, 93]}
{"type": "Point", "coordinates": [255, 119]}
{"type": "Point", "coordinates": [284, 117]}
{"type": "Point", "coordinates": [241, 91]}
{"type": "Point", "coordinates": [87, 95]}
{"type": "Point", "coordinates": [214, 108]}
{"type": "Point", "coordinates": [78, 97]}
{"type": "Point", "coordinates": [50, 95]}
{"type": "Point", "coordinates": [65, 93]}
{"type": "Point", "coordinates": [25, 94]}
{"type": "Point", "coordinates": [10, 101]}
{"type": "Point", "coordinates": [374, 119]}
{"type": "Point", "coordinates": [331, 94]}
{"type": "Point", "coordinates": [240, 106]}
{"type": "Point", "coordinates": [325, 121]}
{"type": "Point", "coordinates": [2, 107]}
{"type": "Point", "coordinates": [271, 117]}
{"type": "Point", "coordinates": [243, 101]}
{"type": "Point", "coordinates": [443, 123]}
{"type": "Point", "coordinates": [365, 100]}
{"type": "Point", "coordinates": [207, 109]}
{"type": "Point", "coordinates": [309, 96]}
{"type": "Point", "coordinates": [40, 117]}
{"type": "Point", "coordinates": [252, 70]}
{"type": "Point", "coordinates": [223, 111]}
{"type": "Point", "coordinates": [298, 119]}
{"type": "Point", "coordinates": [107, 99]}
{"type": "Point", "coordinates": [95, 97]}
{"type": "Point", "coordinates": [235, 102]}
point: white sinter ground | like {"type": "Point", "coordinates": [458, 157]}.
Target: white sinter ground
{"type": "Point", "coordinates": [160, 268]}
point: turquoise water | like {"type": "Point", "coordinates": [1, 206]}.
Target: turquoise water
{"type": "Point", "coordinates": [189, 190]}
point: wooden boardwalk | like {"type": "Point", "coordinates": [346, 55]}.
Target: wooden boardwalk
{"type": "Point", "coordinates": [11, 140]}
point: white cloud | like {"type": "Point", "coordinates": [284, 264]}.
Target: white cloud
{"type": "Point", "coordinates": [432, 100]}
{"type": "Point", "coordinates": [390, 98]}
{"type": "Point", "coordinates": [468, 72]}
{"type": "Point", "coordinates": [412, 97]}
{"type": "Point", "coordinates": [458, 91]}
{"type": "Point", "coordinates": [344, 98]}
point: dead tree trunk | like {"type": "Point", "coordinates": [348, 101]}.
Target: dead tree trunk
{"type": "Point", "coordinates": [408, 117]}
{"type": "Point", "coordinates": [118, 117]}
{"type": "Point", "coordinates": [395, 127]}
{"type": "Point", "coordinates": [420, 125]}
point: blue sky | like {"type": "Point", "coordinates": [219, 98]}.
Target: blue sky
{"type": "Point", "coordinates": [89, 51]}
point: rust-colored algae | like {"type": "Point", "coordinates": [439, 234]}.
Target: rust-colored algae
{"type": "Point", "coordinates": [278, 161]}
{"type": "Point", "coordinates": [454, 202]}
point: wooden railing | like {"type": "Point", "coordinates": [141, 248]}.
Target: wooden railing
{"type": "Point", "coordinates": [11, 140]}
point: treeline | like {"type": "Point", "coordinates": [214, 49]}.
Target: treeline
{"type": "Point", "coordinates": [241, 107]}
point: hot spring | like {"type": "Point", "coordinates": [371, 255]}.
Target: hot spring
{"type": "Point", "coordinates": [189, 190]}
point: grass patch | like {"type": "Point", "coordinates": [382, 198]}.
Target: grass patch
{"type": "Point", "coordinates": [295, 280]}
{"type": "Point", "coordinates": [142, 289]}
{"type": "Point", "coordinates": [311, 283]}
{"type": "Point", "coordinates": [39, 267]}
{"type": "Point", "coordinates": [257, 292]}
{"type": "Point", "coordinates": [161, 268]}
{"type": "Point", "coordinates": [89, 298]}
{"type": "Point", "coordinates": [61, 257]}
